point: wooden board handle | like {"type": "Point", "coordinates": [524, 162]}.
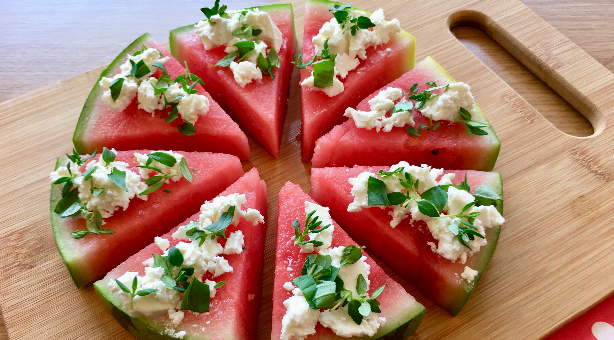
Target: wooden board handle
{"type": "Point", "coordinates": [571, 72]}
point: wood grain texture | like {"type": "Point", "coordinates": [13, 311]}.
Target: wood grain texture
{"type": "Point", "coordinates": [554, 250]}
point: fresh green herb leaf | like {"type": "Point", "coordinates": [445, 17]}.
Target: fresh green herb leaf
{"type": "Point", "coordinates": [175, 258]}
{"type": "Point", "coordinates": [312, 226]}
{"type": "Point", "coordinates": [245, 48]}
{"type": "Point", "coordinates": [361, 286]}
{"type": "Point", "coordinates": [414, 88]}
{"type": "Point", "coordinates": [436, 126]}
{"type": "Point", "coordinates": [428, 209]}
{"type": "Point", "coordinates": [209, 12]}
{"type": "Point", "coordinates": [116, 88]}
{"type": "Point", "coordinates": [341, 16]}
{"type": "Point", "coordinates": [186, 128]}
{"type": "Point", "coordinates": [108, 156]}
{"type": "Point", "coordinates": [118, 178]}
{"type": "Point", "coordinates": [323, 73]}
{"type": "Point", "coordinates": [185, 170]}
{"type": "Point", "coordinates": [197, 295]}
{"type": "Point", "coordinates": [152, 188]}
{"type": "Point", "coordinates": [364, 22]}
{"type": "Point", "coordinates": [453, 227]}
{"type": "Point", "coordinates": [219, 284]}
{"type": "Point", "coordinates": [351, 254]}
{"type": "Point", "coordinates": [396, 198]}
{"type": "Point", "coordinates": [437, 196]}
{"type": "Point", "coordinates": [88, 174]}
{"type": "Point", "coordinates": [69, 204]}
{"type": "Point", "coordinates": [139, 69]}
{"type": "Point", "coordinates": [219, 227]}
{"type": "Point", "coordinates": [228, 59]}
{"type": "Point", "coordinates": [160, 66]}
{"type": "Point", "coordinates": [412, 131]}
{"type": "Point", "coordinates": [144, 292]}
{"type": "Point", "coordinates": [431, 83]}
{"type": "Point", "coordinates": [377, 292]}
{"type": "Point", "coordinates": [485, 195]}
{"type": "Point", "coordinates": [376, 192]}
{"type": "Point", "coordinates": [163, 158]}
{"type": "Point", "coordinates": [174, 114]}
{"type": "Point", "coordinates": [404, 106]}
{"type": "Point", "coordinates": [464, 113]}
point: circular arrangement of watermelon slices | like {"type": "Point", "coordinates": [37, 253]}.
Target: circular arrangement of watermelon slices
{"type": "Point", "coordinates": [214, 153]}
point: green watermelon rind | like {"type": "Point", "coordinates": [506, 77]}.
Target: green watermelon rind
{"type": "Point", "coordinates": [486, 253]}
{"type": "Point", "coordinates": [138, 327]}
{"type": "Point", "coordinates": [57, 226]}
{"type": "Point", "coordinates": [175, 33]}
{"type": "Point", "coordinates": [90, 103]}
{"type": "Point", "coordinates": [403, 331]}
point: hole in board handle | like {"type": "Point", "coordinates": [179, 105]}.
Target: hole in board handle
{"type": "Point", "coordinates": [471, 28]}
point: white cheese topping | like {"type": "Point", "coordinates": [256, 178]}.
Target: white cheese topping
{"type": "Point", "coordinates": [147, 98]}
{"type": "Point", "coordinates": [469, 274]}
{"type": "Point", "coordinates": [349, 272]}
{"type": "Point", "coordinates": [235, 243]}
{"type": "Point", "coordinates": [288, 286]}
{"type": "Point", "coordinates": [191, 106]}
{"type": "Point", "coordinates": [113, 197]}
{"type": "Point", "coordinates": [342, 324]}
{"type": "Point", "coordinates": [130, 86]}
{"type": "Point", "coordinates": [299, 320]}
{"type": "Point", "coordinates": [325, 236]}
{"type": "Point", "coordinates": [447, 245]}
{"type": "Point", "coordinates": [245, 72]}
{"type": "Point", "coordinates": [211, 211]}
{"type": "Point", "coordinates": [379, 117]}
{"type": "Point", "coordinates": [218, 32]}
{"type": "Point", "coordinates": [348, 47]}
{"type": "Point", "coordinates": [174, 171]}
{"type": "Point", "coordinates": [446, 105]}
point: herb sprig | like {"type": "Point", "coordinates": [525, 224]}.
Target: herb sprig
{"type": "Point", "coordinates": [209, 12]}
{"type": "Point", "coordinates": [347, 21]}
{"type": "Point", "coordinates": [323, 69]}
{"type": "Point", "coordinates": [134, 292]}
{"type": "Point", "coordinates": [312, 226]}
{"type": "Point", "coordinates": [217, 229]}
{"type": "Point", "coordinates": [360, 306]}
{"type": "Point", "coordinates": [155, 182]}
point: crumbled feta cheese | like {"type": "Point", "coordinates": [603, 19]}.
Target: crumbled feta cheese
{"type": "Point", "coordinates": [342, 324]}
{"type": "Point", "coordinates": [180, 234]}
{"type": "Point", "coordinates": [130, 87]}
{"type": "Point", "coordinates": [348, 47]}
{"type": "Point", "coordinates": [349, 272]}
{"type": "Point", "coordinates": [270, 32]}
{"type": "Point", "coordinates": [147, 98]}
{"type": "Point", "coordinates": [378, 117]}
{"type": "Point", "coordinates": [325, 236]}
{"type": "Point", "coordinates": [299, 320]}
{"type": "Point", "coordinates": [330, 91]}
{"type": "Point", "coordinates": [234, 243]}
{"type": "Point", "coordinates": [191, 106]}
{"type": "Point", "coordinates": [157, 302]}
{"type": "Point", "coordinates": [175, 316]}
{"type": "Point", "coordinates": [212, 289]}
{"type": "Point", "coordinates": [446, 105]}
{"type": "Point", "coordinates": [245, 72]}
{"type": "Point", "coordinates": [162, 243]}
{"type": "Point", "coordinates": [219, 266]}
{"type": "Point", "coordinates": [288, 286]}
{"type": "Point", "coordinates": [217, 32]}
{"type": "Point", "coordinates": [174, 171]}
{"type": "Point", "coordinates": [211, 211]}
{"type": "Point", "coordinates": [469, 274]}
{"type": "Point", "coordinates": [113, 197]}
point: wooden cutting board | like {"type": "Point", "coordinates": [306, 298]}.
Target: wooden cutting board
{"type": "Point", "coordinates": [554, 258]}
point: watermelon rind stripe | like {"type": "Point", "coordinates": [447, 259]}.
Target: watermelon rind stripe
{"type": "Point", "coordinates": [90, 104]}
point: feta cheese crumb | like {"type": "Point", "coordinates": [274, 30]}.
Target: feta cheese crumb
{"type": "Point", "coordinates": [288, 286]}
{"type": "Point", "coordinates": [191, 106]}
{"type": "Point", "coordinates": [342, 324]}
{"type": "Point", "coordinates": [175, 316]}
{"type": "Point", "coordinates": [330, 91]}
{"type": "Point", "coordinates": [349, 272]}
{"type": "Point", "coordinates": [212, 289]}
{"type": "Point", "coordinates": [162, 243]}
{"type": "Point", "coordinates": [378, 118]}
{"type": "Point", "coordinates": [173, 171]}
{"type": "Point", "coordinates": [235, 243]}
{"type": "Point", "coordinates": [469, 274]}
{"type": "Point", "coordinates": [446, 105]}
{"type": "Point", "coordinates": [325, 236]}
{"type": "Point", "coordinates": [299, 320]}
{"type": "Point", "coordinates": [127, 93]}
{"type": "Point", "coordinates": [211, 211]}
{"type": "Point", "coordinates": [147, 97]}
{"type": "Point", "coordinates": [245, 72]}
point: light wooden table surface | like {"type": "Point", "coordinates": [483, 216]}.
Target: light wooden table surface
{"type": "Point", "coordinates": [44, 42]}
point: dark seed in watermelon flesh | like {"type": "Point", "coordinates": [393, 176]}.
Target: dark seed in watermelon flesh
{"type": "Point", "coordinates": [259, 107]}
{"type": "Point", "coordinates": [405, 248]}
{"type": "Point", "coordinates": [135, 128]}
{"type": "Point", "coordinates": [234, 309]}
{"type": "Point", "coordinates": [449, 147]}
{"type": "Point", "coordinates": [402, 312]}
{"type": "Point", "coordinates": [91, 257]}
{"type": "Point", "coordinates": [321, 112]}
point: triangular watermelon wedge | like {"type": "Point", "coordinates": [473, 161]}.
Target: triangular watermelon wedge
{"type": "Point", "coordinates": [449, 147]}
{"type": "Point", "coordinates": [92, 256]}
{"type": "Point", "coordinates": [405, 248]}
{"type": "Point", "coordinates": [259, 107]}
{"type": "Point", "coordinates": [234, 309]}
{"type": "Point", "coordinates": [402, 312]}
{"type": "Point", "coordinates": [384, 64]}
{"type": "Point", "coordinates": [135, 128]}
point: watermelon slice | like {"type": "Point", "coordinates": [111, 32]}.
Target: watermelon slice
{"type": "Point", "coordinates": [405, 248]}
{"type": "Point", "coordinates": [92, 256]}
{"type": "Point", "coordinates": [384, 64]}
{"type": "Point", "coordinates": [259, 107]}
{"type": "Point", "coordinates": [450, 147]}
{"type": "Point", "coordinates": [402, 312]}
{"type": "Point", "coordinates": [234, 309]}
{"type": "Point", "coordinates": [135, 128]}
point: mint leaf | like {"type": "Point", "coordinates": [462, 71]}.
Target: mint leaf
{"type": "Point", "coordinates": [144, 292]}
{"type": "Point", "coordinates": [88, 174]}
{"type": "Point", "coordinates": [437, 196]}
{"type": "Point", "coordinates": [152, 188]}
{"type": "Point", "coordinates": [185, 170]}
{"type": "Point", "coordinates": [323, 73]}
{"type": "Point", "coordinates": [228, 59]}
{"type": "Point", "coordinates": [353, 307]}
{"type": "Point", "coordinates": [219, 227]}
{"type": "Point", "coordinates": [361, 286]}
{"type": "Point", "coordinates": [377, 292]}
{"type": "Point", "coordinates": [364, 22]}
{"type": "Point", "coordinates": [196, 297]}
{"type": "Point", "coordinates": [116, 88]}
{"type": "Point", "coordinates": [174, 114]}
{"type": "Point", "coordinates": [163, 158]}
{"type": "Point", "coordinates": [324, 296]}
{"type": "Point", "coordinates": [464, 113]}
{"type": "Point", "coordinates": [245, 48]}
{"type": "Point", "coordinates": [108, 156]}
{"type": "Point", "coordinates": [485, 195]}
{"type": "Point", "coordinates": [160, 66]}
{"type": "Point", "coordinates": [341, 16]}
{"type": "Point", "coordinates": [118, 178]}
{"type": "Point", "coordinates": [187, 128]}
{"type": "Point", "coordinates": [219, 284]}
{"type": "Point", "coordinates": [376, 192]}
{"type": "Point", "coordinates": [428, 209]}
{"type": "Point", "coordinates": [175, 258]}
{"type": "Point", "coordinates": [351, 254]}
{"type": "Point", "coordinates": [396, 198]}
{"type": "Point", "coordinates": [405, 106]}
{"type": "Point", "coordinates": [69, 204]}
{"type": "Point", "coordinates": [139, 69]}
{"type": "Point", "coordinates": [244, 32]}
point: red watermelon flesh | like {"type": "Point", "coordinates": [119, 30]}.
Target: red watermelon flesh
{"type": "Point", "coordinates": [135, 128]}
{"type": "Point", "coordinates": [402, 312]}
{"type": "Point", "coordinates": [405, 248]}
{"type": "Point", "coordinates": [234, 309]}
{"type": "Point", "coordinates": [321, 112]}
{"type": "Point", "coordinates": [259, 107]}
{"type": "Point", "coordinates": [91, 257]}
{"type": "Point", "coordinates": [449, 147]}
